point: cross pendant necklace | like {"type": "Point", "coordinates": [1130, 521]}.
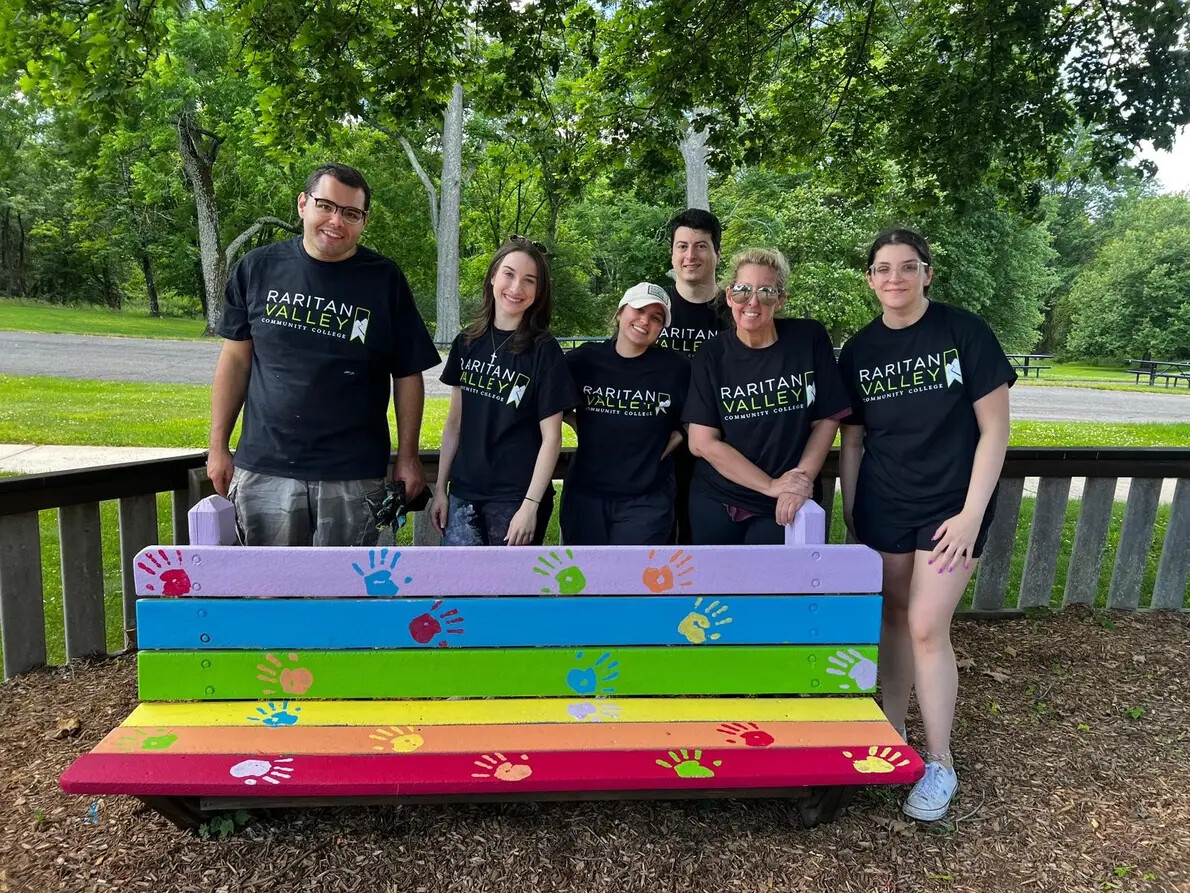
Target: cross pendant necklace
{"type": "Point", "coordinates": [502, 343]}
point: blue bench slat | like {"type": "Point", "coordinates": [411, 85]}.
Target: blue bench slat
{"type": "Point", "coordinates": [223, 623]}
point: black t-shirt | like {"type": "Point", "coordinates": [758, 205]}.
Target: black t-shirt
{"type": "Point", "coordinates": [912, 389]}
{"type": "Point", "coordinates": [628, 407]}
{"type": "Point", "coordinates": [327, 339]}
{"type": "Point", "coordinates": [503, 403]}
{"type": "Point", "coordinates": [692, 325]}
{"type": "Point", "coordinates": [763, 401]}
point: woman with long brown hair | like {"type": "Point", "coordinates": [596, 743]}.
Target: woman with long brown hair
{"type": "Point", "coordinates": [503, 430]}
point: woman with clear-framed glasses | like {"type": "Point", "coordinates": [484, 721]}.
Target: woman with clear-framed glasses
{"type": "Point", "coordinates": [509, 389]}
{"type": "Point", "coordinates": [765, 403]}
{"type": "Point", "coordinates": [921, 455]}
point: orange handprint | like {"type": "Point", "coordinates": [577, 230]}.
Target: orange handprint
{"type": "Point", "coordinates": [293, 680]}
{"type": "Point", "coordinates": [662, 579]}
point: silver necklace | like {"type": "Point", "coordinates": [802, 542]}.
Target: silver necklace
{"type": "Point", "coordinates": [502, 343]}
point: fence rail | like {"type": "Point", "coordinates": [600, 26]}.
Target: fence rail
{"type": "Point", "coordinates": [76, 498]}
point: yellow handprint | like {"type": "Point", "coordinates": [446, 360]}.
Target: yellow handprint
{"type": "Point", "coordinates": [878, 762]}
{"type": "Point", "coordinates": [398, 739]}
{"type": "Point", "coordinates": [694, 625]}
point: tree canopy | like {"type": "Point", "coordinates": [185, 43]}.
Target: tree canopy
{"type": "Point", "coordinates": [144, 146]}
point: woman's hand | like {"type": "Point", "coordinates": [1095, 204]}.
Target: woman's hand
{"type": "Point", "coordinates": [794, 481]}
{"type": "Point", "coordinates": [522, 526]}
{"type": "Point", "coordinates": [440, 510]}
{"type": "Point", "coordinates": [955, 537]}
{"type": "Point", "coordinates": [788, 504]}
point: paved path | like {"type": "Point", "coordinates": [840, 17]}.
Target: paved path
{"type": "Point", "coordinates": [125, 359]}
{"type": "Point", "coordinates": [193, 362]}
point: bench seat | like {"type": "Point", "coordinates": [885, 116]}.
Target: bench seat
{"type": "Point", "coordinates": [286, 676]}
{"type": "Point", "coordinates": [477, 747]}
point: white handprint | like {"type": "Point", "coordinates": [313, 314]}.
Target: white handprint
{"type": "Point", "coordinates": [850, 664]}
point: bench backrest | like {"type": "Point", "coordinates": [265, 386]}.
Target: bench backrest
{"type": "Point", "coordinates": [585, 624]}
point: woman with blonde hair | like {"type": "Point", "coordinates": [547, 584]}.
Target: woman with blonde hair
{"type": "Point", "coordinates": [764, 406]}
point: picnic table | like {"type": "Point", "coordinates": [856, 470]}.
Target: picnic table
{"type": "Point", "coordinates": [1167, 370]}
{"type": "Point", "coordinates": [1021, 363]}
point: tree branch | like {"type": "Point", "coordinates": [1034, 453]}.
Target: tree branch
{"type": "Point", "coordinates": [431, 192]}
{"type": "Point", "coordinates": [238, 242]}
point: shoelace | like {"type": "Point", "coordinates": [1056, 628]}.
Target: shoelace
{"type": "Point", "coordinates": [931, 784]}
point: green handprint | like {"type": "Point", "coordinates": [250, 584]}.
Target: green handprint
{"type": "Point", "coordinates": [689, 765]}
{"type": "Point", "coordinates": [570, 578]}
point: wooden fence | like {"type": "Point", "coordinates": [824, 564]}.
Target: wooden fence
{"type": "Point", "coordinates": [75, 496]}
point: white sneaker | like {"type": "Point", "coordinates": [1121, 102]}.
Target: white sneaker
{"type": "Point", "coordinates": [930, 798]}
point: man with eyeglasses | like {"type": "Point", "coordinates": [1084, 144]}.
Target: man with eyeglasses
{"type": "Point", "coordinates": [699, 313]}
{"type": "Point", "coordinates": [319, 331]}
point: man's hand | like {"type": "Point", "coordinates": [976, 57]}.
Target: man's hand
{"type": "Point", "coordinates": [409, 471]}
{"type": "Point", "coordinates": [220, 469]}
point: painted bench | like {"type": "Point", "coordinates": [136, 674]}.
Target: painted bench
{"type": "Point", "coordinates": [314, 676]}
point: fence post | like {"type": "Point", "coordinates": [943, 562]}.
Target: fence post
{"type": "Point", "coordinates": [1170, 588]}
{"type": "Point", "coordinates": [138, 528]}
{"type": "Point", "coordinates": [22, 611]}
{"type": "Point", "coordinates": [82, 580]}
{"type": "Point", "coordinates": [1136, 537]}
{"type": "Point", "coordinates": [1045, 538]}
{"type": "Point", "coordinates": [1090, 541]}
{"type": "Point", "coordinates": [992, 582]}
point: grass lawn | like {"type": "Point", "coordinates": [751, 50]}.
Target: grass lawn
{"type": "Point", "coordinates": [1103, 378]}
{"type": "Point", "coordinates": [33, 316]}
{"type": "Point", "coordinates": [100, 413]}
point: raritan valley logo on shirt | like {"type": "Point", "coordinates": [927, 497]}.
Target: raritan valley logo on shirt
{"type": "Point", "coordinates": [769, 396]}
{"type": "Point", "coordinates": [627, 401]}
{"type": "Point", "coordinates": [931, 372]}
{"type": "Point", "coordinates": [686, 339]}
{"type": "Point", "coordinates": [313, 313]}
{"type": "Point", "coordinates": [493, 381]}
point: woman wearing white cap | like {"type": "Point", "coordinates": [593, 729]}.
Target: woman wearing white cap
{"type": "Point", "coordinates": [620, 489]}
{"type": "Point", "coordinates": [765, 403]}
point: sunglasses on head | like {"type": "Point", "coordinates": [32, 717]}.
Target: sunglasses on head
{"type": "Point", "coordinates": [517, 239]}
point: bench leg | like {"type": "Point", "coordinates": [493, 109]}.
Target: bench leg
{"type": "Point", "coordinates": [182, 811]}
{"type": "Point", "coordinates": [824, 804]}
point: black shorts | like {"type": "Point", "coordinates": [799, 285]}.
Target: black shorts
{"type": "Point", "coordinates": [645, 520]}
{"type": "Point", "coordinates": [879, 533]}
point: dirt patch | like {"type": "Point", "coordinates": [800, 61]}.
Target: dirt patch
{"type": "Point", "coordinates": [1072, 745]}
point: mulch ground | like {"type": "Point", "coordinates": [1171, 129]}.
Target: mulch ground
{"type": "Point", "coordinates": [1072, 743]}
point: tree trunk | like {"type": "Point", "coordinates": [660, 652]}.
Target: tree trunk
{"type": "Point", "coordinates": [450, 196]}
{"type": "Point", "coordinates": [202, 288]}
{"type": "Point", "coordinates": [694, 151]}
{"type": "Point", "coordinates": [199, 167]}
{"type": "Point", "coordinates": [146, 265]}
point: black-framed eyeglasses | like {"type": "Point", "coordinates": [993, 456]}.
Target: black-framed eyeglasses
{"type": "Point", "coordinates": [518, 239]}
{"type": "Point", "coordinates": [350, 214]}
{"type": "Point", "coordinates": [741, 293]}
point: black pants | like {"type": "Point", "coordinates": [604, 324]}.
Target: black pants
{"type": "Point", "coordinates": [630, 521]}
{"type": "Point", "coordinates": [683, 475]}
{"type": "Point", "coordinates": [712, 526]}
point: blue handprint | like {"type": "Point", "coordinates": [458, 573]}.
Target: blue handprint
{"type": "Point", "coordinates": [378, 580]}
{"type": "Point", "coordinates": [276, 715]}
{"type": "Point", "coordinates": [588, 680]}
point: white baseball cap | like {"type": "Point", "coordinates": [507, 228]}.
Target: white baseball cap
{"type": "Point", "coordinates": [643, 294]}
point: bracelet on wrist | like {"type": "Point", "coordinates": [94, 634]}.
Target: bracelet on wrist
{"type": "Point", "coordinates": [532, 500]}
